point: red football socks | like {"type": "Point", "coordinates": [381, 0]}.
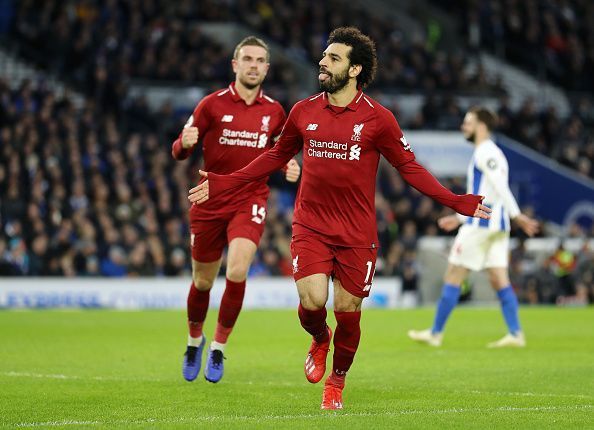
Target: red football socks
{"type": "Point", "coordinates": [346, 340]}
{"type": "Point", "coordinates": [314, 322]}
{"type": "Point", "coordinates": [229, 311]}
{"type": "Point", "coordinates": [197, 308]}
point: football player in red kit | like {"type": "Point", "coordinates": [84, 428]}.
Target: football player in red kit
{"type": "Point", "coordinates": [235, 125]}
{"type": "Point", "coordinates": [342, 133]}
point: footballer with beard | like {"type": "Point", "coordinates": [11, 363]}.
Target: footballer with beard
{"type": "Point", "coordinates": [342, 133]}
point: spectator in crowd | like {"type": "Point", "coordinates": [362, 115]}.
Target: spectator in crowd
{"type": "Point", "coordinates": [74, 183]}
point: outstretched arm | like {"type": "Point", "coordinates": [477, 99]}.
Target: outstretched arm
{"type": "Point", "coordinates": [419, 178]}
{"type": "Point", "coordinates": [286, 147]}
{"type": "Point", "coordinates": [393, 145]}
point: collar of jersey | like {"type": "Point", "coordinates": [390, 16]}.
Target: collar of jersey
{"type": "Point", "coordinates": [237, 98]}
{"type": "Point", "coordinates": [353, 105]}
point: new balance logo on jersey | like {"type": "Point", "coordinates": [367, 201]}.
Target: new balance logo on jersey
{"type": "Point", "coordinates": [227, 118]}
{"type": "Point", "coordinates": [296, 264]}
{"type": "Point", "coordinates": [357, 132]}
{"type": "Point", "coordinates": [405, 144]}
{"type": "Point", "coordinates": [311, 127]}
{"type": "Point", "coordinates": [355, 152]}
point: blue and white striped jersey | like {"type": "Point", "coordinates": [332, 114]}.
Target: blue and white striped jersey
{"type": "Point", "coordinates": [488, 175]}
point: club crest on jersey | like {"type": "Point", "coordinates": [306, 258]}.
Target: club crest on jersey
{"type": "Point", "coordinates": [227, 118]}
{"type": "Point", "coordinates": [357, 132]}
{"type": "Point", "coordinates": [265, 123]}
{"type": "Point", "coordinates": [296, 264]}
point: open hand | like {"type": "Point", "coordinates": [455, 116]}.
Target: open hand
{"type": "Point", "coordinates": [448, 223]}
{"type": "Point", "coordinates": [199, 194]}
{"type": "Point", "coordinates": [528, 225]}
{"type": "Point", "coordinates": [482, 211]}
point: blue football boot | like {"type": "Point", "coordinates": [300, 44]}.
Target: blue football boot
{"type": "Point", "coordinates": [192, 361]}
{"type": "Point", "coordinates": [214, 365]}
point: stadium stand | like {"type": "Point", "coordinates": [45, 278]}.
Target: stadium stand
{"type": "Point", "coordinates": [552, 39]}
{"type": "Point", "coordinates": [94, 192]}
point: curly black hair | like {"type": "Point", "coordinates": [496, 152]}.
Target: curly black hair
{"type": "Point", "coordinates": [362, 52]}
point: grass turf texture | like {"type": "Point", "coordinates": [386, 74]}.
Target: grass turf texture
{"type": "Point", "coordinates": [105, 369]}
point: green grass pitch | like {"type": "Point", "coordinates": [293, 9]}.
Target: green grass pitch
{"type": "Point", "coordinates": [106, 369]}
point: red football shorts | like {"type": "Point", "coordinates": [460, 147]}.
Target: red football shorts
{"type": "Point", "coordinates": [353, 267]}
{"type": "Point", "coordinates": [209, 237]}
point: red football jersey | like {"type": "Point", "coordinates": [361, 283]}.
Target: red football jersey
{"type": "Point", "coordinates": [341, 149]}
{"type": "Point", "coordinates": [232, 134]}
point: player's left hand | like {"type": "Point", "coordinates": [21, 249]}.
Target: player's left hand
{"type": "Point", "coordinates": [470, 205]}
{"type": "Point", "coordinates": [199, 194]}
{"type": "Point", "coordinates": [293, 171]}
{"type": "Point", "coordinates": [482, 211]}
{"type": "Point", "coordinates": [528, 225]}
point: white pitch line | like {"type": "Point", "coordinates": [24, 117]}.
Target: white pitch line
{"type": "Point", "coordinates": [74, 377]}
{"type": "Point", "coordinates": [527, 394]}
{"type": "Point", "coordinates": [271, 383]}
{"type": "Point", "coordinates": [60, 423]}
{"type": "Point", "coordinates": [323, 415]}
{"type": "Point", "coordinates": [120, 379]}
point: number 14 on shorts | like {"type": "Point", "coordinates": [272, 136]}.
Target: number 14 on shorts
{"type": "Point", "coordinates": [258, 214]}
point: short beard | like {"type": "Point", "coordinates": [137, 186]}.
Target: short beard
{"type": "Point", "coordinates": [471, 138]}
{"type": "Point", "coordinates": [249, 85]}
{"type": "Point", "coordinates": [335, 83]}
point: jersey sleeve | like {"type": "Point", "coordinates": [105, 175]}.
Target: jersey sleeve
{"type": "Point", "coordinates": [418, 177]}
{"type": "Point", "coordinates": [495, 170]}
{"type": "Point", "coordinates": [288, 145]}
{"type": "Point", "coordinates": [393, 145]}
{"type": "Point", "coordinates": [390, 140]}
{"type": "Point", "coordinates": [281, 118]}
{"type": "Point", "coordinates": [278, 125]}
{"type": "Point", "coordinates": [200, 118]}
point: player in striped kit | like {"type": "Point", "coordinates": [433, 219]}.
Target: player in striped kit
{"type": "Point", "coordinates": [482, 243]}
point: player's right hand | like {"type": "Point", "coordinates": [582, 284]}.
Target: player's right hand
{"type": "Point", "coordinates": [448, 223]}
{"type": "Point", "coordinates": [199, 194]}
{"type": "Point", "coordinates": [189, 137]}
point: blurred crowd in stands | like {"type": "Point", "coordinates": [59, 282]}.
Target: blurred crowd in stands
{"type": "Point", "coordinates": [563, 278]}
{"type": "Point", "coordinates": [569, 140]}
{"type": "Point", "coordinates": [554, 39]}
{"type": "Point", "coordinates": [94, 191]}
{"type": "Point", "coordinates": [97, 44]}
{"type": "Point", "coordinates": [157, 40]}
